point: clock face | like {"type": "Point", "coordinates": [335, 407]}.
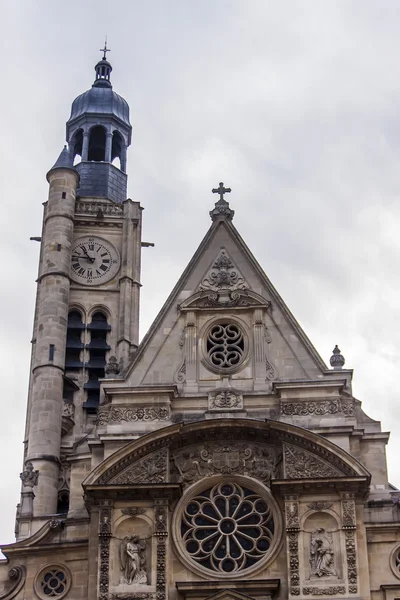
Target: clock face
{"type": "Point", "coordinates": [93, 261]}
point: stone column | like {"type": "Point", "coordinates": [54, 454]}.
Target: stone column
{"type": "Point", "coordinates": [292, 540]}
{"type": "Point", "coordinates": [108, 147]}
{"type": "Point", "coordinates": [85, 146]}
{"type": "Point", "coordinates": [190, 348]}
{"type": "Point", "coordinates": [46, 402]}
{"type": "Point", "coordinates": [123, 158]}
{"type": "Point", "coordinates": [128, 323]}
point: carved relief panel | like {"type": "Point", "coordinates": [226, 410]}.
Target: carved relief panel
{"type": "Point", "coordinates": [321, 543]}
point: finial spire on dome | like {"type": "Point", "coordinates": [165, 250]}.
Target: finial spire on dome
{"type": "Point", "coordinates": [103, 69]}
{"type": "Point", "coordinates": [105, 50]}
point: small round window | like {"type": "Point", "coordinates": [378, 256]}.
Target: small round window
{"type": "Point", "coordinates": [225, 346]}
{"type": "Point", "coordinates": [53, 581]}
{"type": "Point", "coordinates": [395, 561]}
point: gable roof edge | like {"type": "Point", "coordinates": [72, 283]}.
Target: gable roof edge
{"type": "Point", "coordinates": [278, 299]}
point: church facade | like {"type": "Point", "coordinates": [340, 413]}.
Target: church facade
{"type": "Point", "coordinates": [220, 458]}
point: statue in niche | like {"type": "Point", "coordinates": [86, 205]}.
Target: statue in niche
{"type": "Point", "coordinates": [133, 560]}
{"type": "Point", "coordinates": [321, 554]}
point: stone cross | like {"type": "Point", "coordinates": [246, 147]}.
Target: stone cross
{"type": "Point", "coordinates": [221, 190]}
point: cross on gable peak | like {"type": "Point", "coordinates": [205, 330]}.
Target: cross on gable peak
{"type": "Point", "coordinates": [222, 208]}
{"type": "Point", "coordinates": [221, 190]}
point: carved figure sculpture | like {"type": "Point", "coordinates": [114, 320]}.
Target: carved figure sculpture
{"type": "Point", "coordinates": [321, 554]}
{"type": "Point", "coordinates": [133, 560]}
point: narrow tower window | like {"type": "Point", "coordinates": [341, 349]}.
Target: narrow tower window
{"type": "Point", "coordinates": [97, 347]}
{"type": "Point", "coordinates": [97, 143]}
{"type": "Point", "coordinates": [74, 344]}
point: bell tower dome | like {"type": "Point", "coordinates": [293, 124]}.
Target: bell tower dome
{"type": "Point", "coordinates": [99, 131]}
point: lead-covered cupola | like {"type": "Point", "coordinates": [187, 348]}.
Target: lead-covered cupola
{"type": "Point", "coordinates": [99, 132]}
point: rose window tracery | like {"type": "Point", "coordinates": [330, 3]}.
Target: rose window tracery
{"type": "Point", "coordinates": [227, 528]}
{"type": "Point", "coordinates": [225, 345]}
{"type": "Point", "coordinates": [53, 581]}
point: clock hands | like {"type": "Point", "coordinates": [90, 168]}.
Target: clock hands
{"type": "Point", "coordinates": [91, 258]}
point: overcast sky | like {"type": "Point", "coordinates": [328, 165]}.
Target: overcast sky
{"type": "Point", "coordinates": [293, 104]}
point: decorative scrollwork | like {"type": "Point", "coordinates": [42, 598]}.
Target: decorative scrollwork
{"type": "Point", "coordinates": [138, 413]}
{"type": "Point", "coordinates": [225, 345]}
{"type": "Point", "coordinates": [319, 408]}
{"type": "Point", "coordinates": [324, 591]}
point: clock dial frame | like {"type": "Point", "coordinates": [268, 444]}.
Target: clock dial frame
{"type": "Point", "coordinates": [94, 261]}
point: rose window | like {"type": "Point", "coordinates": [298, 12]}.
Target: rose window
{"type": "Point", "coordinates": [227, 528]}
{"type": "Point", "coordinates": [225, 345]}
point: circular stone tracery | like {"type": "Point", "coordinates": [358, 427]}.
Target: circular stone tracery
{"type": "Point", "coordinates": [53, 581]}
{"type": "Point", "coordinates": [227, 528]}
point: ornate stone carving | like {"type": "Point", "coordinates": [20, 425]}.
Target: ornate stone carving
{"type": "Point", "coordinates": [17, 576]}
{"type": "Point", "coordinates": [29, 477]}
{"type": "Point", "coordinates": [150, 469]}
{"type": "Point", "coordinates": [324, 591]}
{"type": "Point", "coordinates": [92, 208]}
{"type": "Point", "coordinates": [115, 414]}
{"type": "Point", "coordinates": [180, 375]}
{"type": "Point", "coordinates": [223, 275]}
{"type": "Point", "coordinates": [348, 511]}
{"type": "Point", "coordinates": [161, 532]}
{"type": "Point", "coordinates": [351, 560]}
{"type": "Point", "coordinates": [160, 519]}
{"type": "Point", "coordinates": [68, 414]}
{"type": "Point", "coordinates": [337, 359]}
{"type": "Point", "coordinates": [319, 408]}
{"type": "Point", "coordinates": [300, 464]}
{"type": "Point", "coordinates": [161, 570]}
{"type": "Point", "coordinates": [292, 515]}
{"type": "Point", "coordinates": [319, 505]}
{"type": "Point", "coordinates": [133, 560]}
{"type": "Point", "coordinates": [292, 541]}
{"type": "Point", "coordinates": [225, 400]}
{"type": "Point", "coordinates": [68, 409]}
{"type": "Point", "coordinates": [271, 373]}
{"type": "Point", "coordinates": [259, 461]}
{"type": "Point", "coordinates": [133, 596]}
{"type": "Point", "coordinates": [104, 535]}
{"type": "Point", "coordinates": [321, 554]}
{"type": "Point", "coordinates": [112, 368]}
{"type": "Point", "coordinates": [133, 511]}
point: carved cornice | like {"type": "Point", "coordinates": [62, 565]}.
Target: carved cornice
{"type": "Point", "coordinates": [318, 408]}
{"type": "Point", "coordinates": [118, 414]}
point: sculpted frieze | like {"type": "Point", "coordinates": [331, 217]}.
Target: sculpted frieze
{"type": "Point", "coordinates": [116, 414]}
{"type": "Point", "coordinates": [255, 460]}
{"type": "Point", "coordinates": [319, 408]}
{"type": "Point", "coordinates": [150, 469]}
{"type": "Point", "coordinates": [301, 464]}
{"type": "Point", "coordinates": [324, 591]}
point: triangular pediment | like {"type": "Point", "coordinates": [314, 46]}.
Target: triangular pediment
{"type": "Point", "coordinates": [223, 279]}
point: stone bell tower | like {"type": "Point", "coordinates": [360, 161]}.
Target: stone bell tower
{"type": "Point", "coordinates": [87, 310]}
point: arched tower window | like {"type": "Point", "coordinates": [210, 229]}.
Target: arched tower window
{"type": "Point", "coordinates": [97, 347]}
{"type": "Point", "coordinates": [97, 143]}
{"type": "Point", "coordinates": [117, 147]}
{"type": "Point", "coordinates": [77, 144]}
{"type": "Point", "coordinates": [74, 344]}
